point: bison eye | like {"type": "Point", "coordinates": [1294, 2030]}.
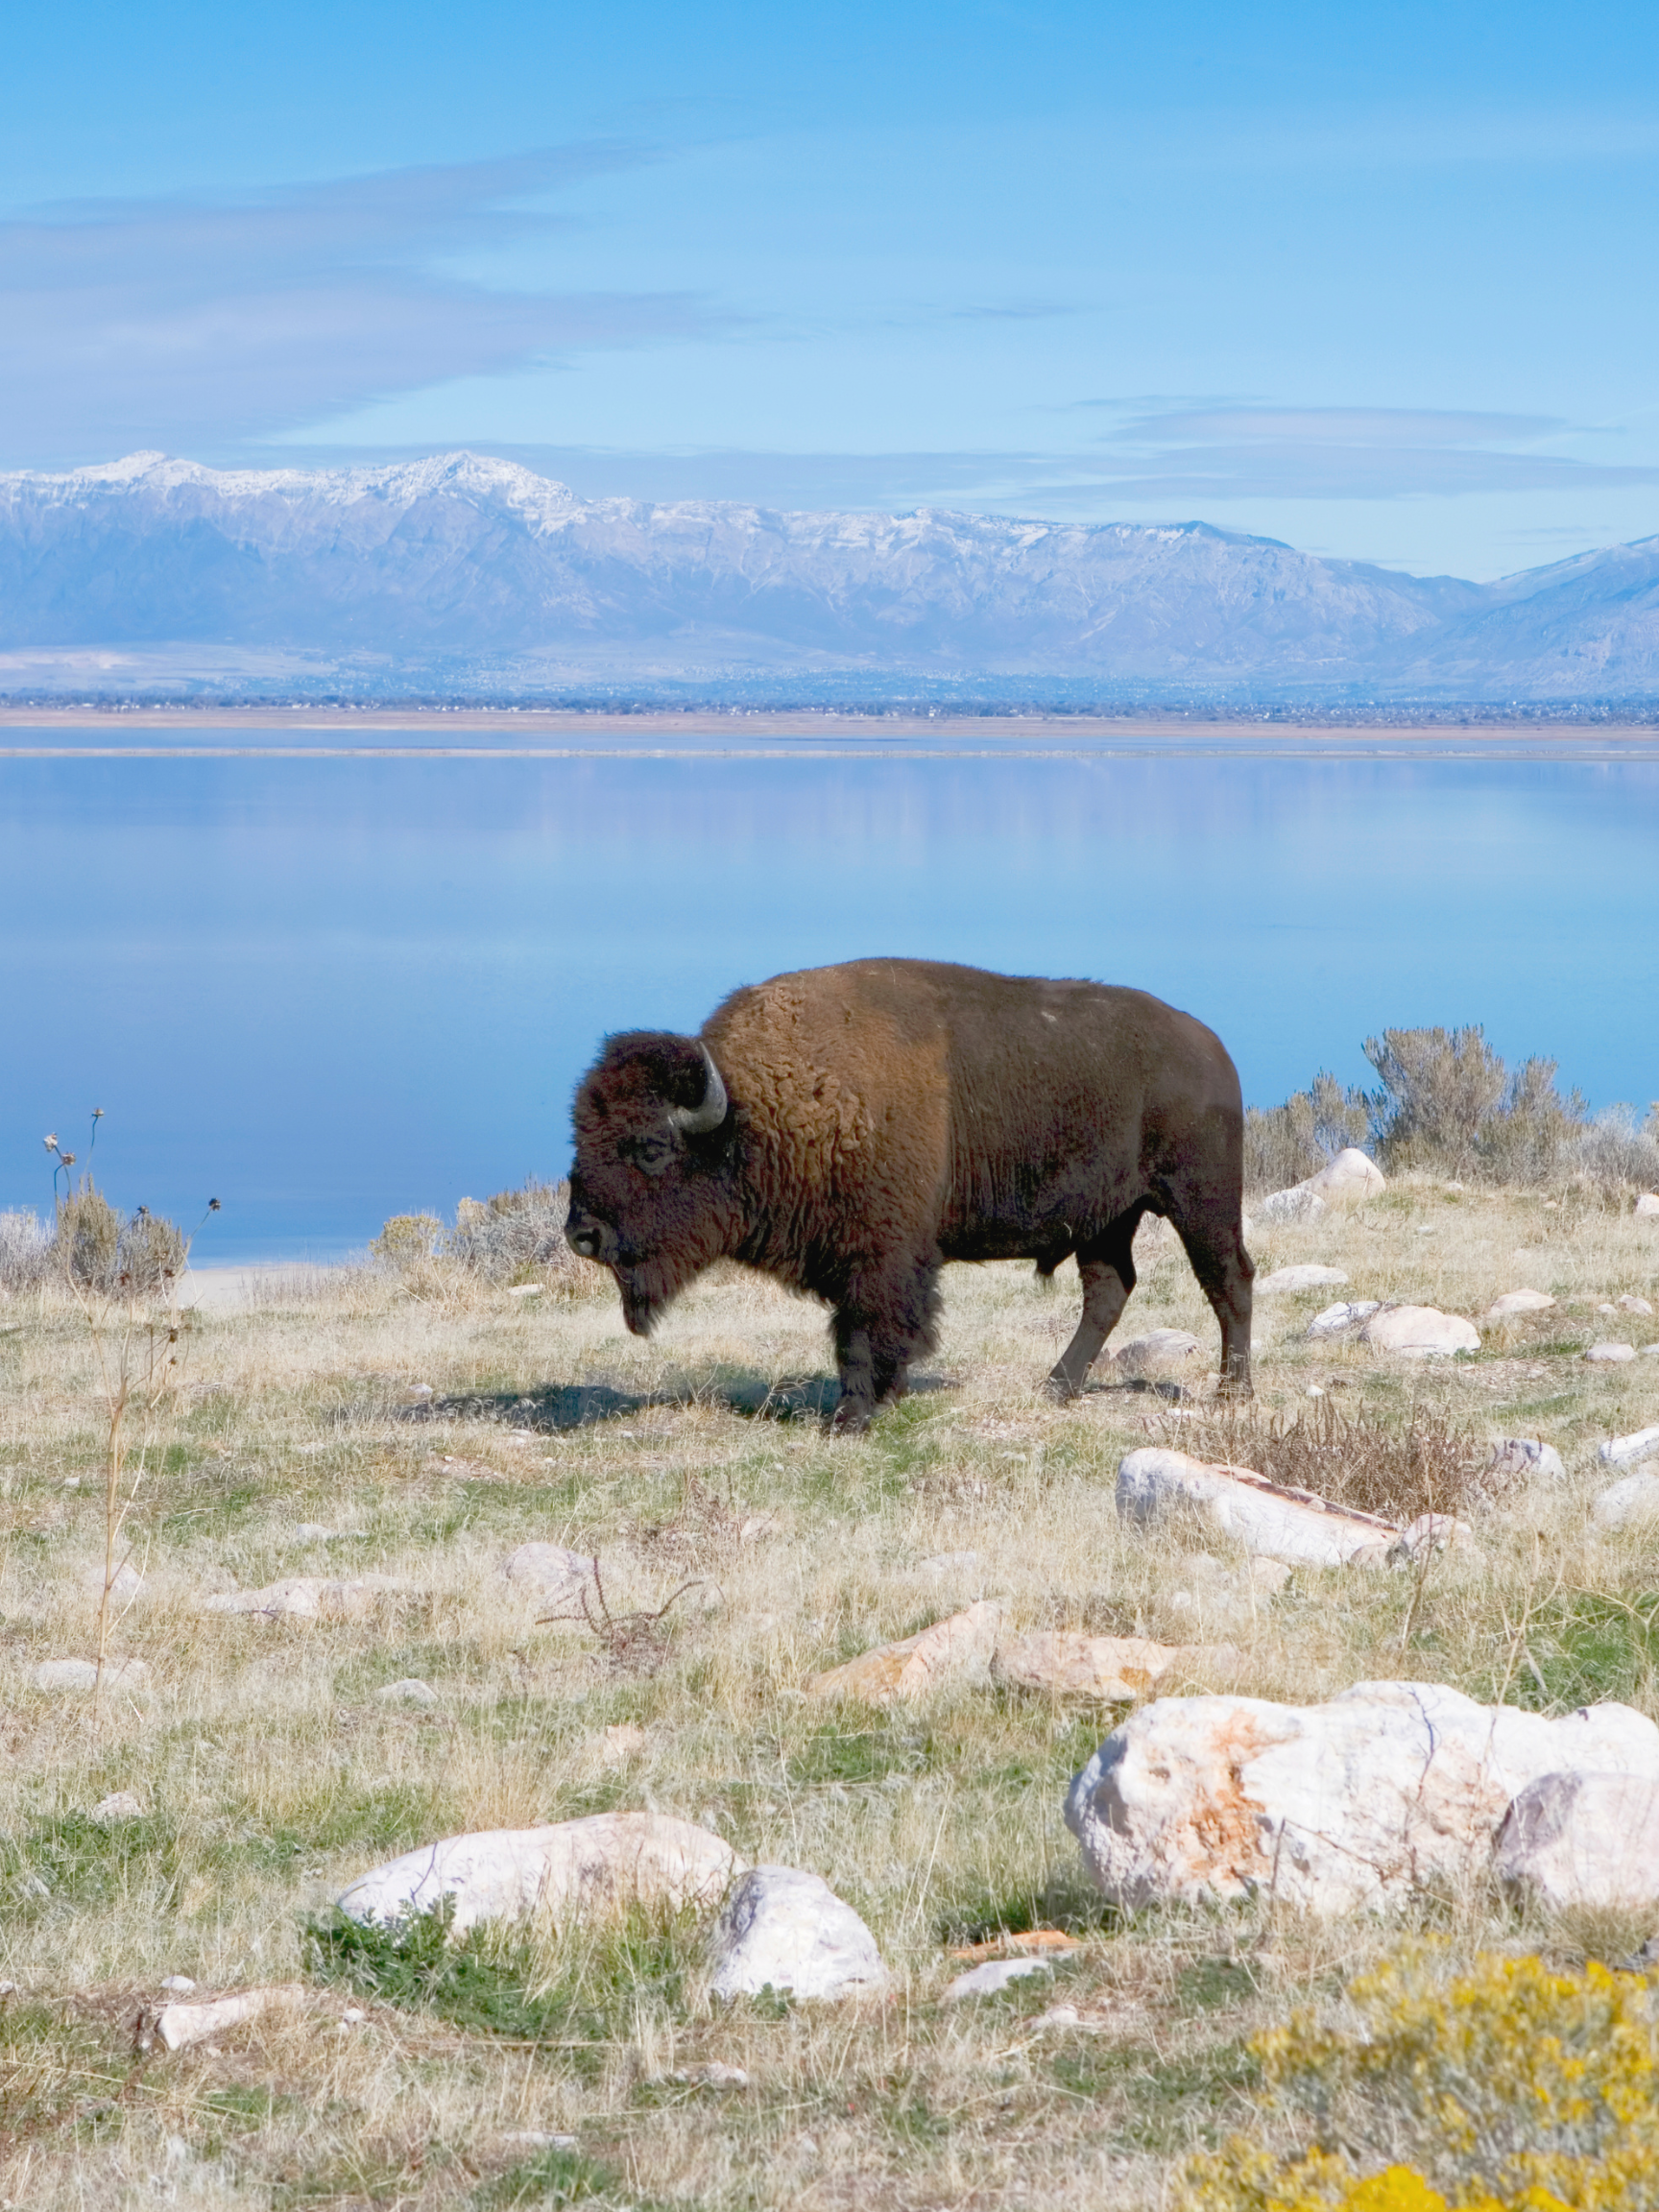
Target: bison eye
{"type": "Point", "coordinates": [652, 1153]}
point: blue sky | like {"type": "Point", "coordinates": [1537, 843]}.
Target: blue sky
{"type": "Point", "coordinates": [1376, 279]}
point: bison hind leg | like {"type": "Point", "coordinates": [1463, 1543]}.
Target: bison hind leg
{"type": "Point", "coordinates": [1225, 1273]}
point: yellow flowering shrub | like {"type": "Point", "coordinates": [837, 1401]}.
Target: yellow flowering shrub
{"type": "Point", "coordinates": [1507, 2090]}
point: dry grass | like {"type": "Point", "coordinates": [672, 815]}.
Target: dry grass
{"type": "Point", "coordinates": [270, 1774]}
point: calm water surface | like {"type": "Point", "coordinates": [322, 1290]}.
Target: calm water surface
{"type": "Point", "coordinates": [325, 989]}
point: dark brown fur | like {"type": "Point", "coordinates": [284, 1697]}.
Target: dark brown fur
{"type": "Point", "coordinates": [888, 1116]}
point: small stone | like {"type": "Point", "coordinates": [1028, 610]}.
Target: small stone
{"type": "Point", "coordinates": [1617, 1451]}
{"type": "Point", "coordinates": [950, 1563]}
{"type": "Point", "coordinates": [538, 2139]}
{"type": "Point", "coordinates": [548, 1572]}
{"type": "Point", "coordinates": [622, 1741]}
{"type": "Point", "coordinates": [1158, 1351]}
{"type": "Point", "coordinates": [1606, 1308]}
{"type": "Point", "coordinates": [756, 1528]}
{"type": "Point", "coordinates": [410, 1690]}
{"type": "Point", "coordinates": [417, 1393]}
{"type": "Point", "coordinates": [120, 1805]}
{"type": "Point", "coordinates": [1524, 1458]}
{"type": "Point", "coordinates": [1308, 1277]}
{"type": "Point", "coordinates": [1631, 1304]}
{"type": "Point", "coordinates": [787, 1931]}
{"type": "Point", "coordinates": [525, 1290]}
{"type": "Point", "coordinates": [1631, 1503]}
{"type": "Point", "coordinates": [1514, 1302]}
{"type": "Point", "coordinates": [178, 1985]}
{"type": "Point", "coordinates": [713, 2074]}
{"type": "Point", "coordinates": [1420, 1333]}
{"type": "Point", "coordinates": [178, 2026]}
{"type": "Point", "coordinates": [354, 2016]}
{"type": "Point", "coordinates": [62, 1674]}
{"type": "Point", "coordinates": [1649, 1203]}
{"type": "Point", "coordinates": [918, 1664]}
{"type": "Point", "coordinates": [1338, 1320]}
{"type": "Point", "coordinates": [1300, 1203]}
{"type": "Point", "coordinates": [306, 1598]}
{"type": "Point", "coordinates": [1610, 1355]}
{"type": "Point", "coordinates": [313, 1532]}
{"type": "Point", "coordinates": [994, 1975]}
{"type": "Point", "coordinates": [1268, 1576]}
{"type": "Point", "coordinates": [1430, 1535]}
{"type": "Point", "coordinates": [124, 1586]}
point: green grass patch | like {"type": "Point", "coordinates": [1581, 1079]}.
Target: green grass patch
{"type": "Point", "coordinates": [384, 1820]}
{"type": "Point", "coordinates": [553, 2176]}
{"type": "Point", "coordinates": [1583, 1648]}
{"type": "Point", "coordinates": [72, 1860]}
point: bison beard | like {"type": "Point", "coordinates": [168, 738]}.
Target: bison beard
{"type": "Point", "coordinates": [848, 1130]}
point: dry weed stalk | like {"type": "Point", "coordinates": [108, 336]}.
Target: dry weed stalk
{"type": "Point", "coordinates": [635, 1640]}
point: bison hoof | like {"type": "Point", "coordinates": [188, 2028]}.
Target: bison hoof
{"type": "Point", "coordinates": [1061, 1388]}
{"type": "Point", "coordinates": [851, 1417]}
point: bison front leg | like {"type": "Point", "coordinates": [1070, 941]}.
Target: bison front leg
{"type": "Point", "coordinates": [883, 1321]}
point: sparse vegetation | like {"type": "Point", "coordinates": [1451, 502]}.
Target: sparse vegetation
{"type": "Point", "coordinates": [269, 1774]}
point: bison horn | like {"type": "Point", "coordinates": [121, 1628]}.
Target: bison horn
{"type": "Point", "coordinates": [699, 1121]}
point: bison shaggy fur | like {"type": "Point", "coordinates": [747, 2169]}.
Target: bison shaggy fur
{"type": "Point", "coordinates": [848, 1130]}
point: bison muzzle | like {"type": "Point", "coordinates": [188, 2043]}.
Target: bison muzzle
{"type": "Point", "coordinates": [848, 1130]}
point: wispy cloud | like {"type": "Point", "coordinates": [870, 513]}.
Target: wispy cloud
{"type": "Point", "coordinates": [154, 322]}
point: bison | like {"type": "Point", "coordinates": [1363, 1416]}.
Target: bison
{"type": "Point", "coordinates": [848, 1130]}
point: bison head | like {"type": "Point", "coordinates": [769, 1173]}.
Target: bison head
{"type": "Point", "coordinates": [651, 1190]}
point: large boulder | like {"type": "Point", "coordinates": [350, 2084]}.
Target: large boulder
{"type": "Point", "coordinates": [1342, 1319]}
{"type": "Point", "coordinates": [1621, 1451]}
{"type": "Point", "coordinates": [603, 1863]}
{"type": "Point", "coordinates": [1391, 1789]}
{"type": "Point", "coordinates": [916, 1665]}
{"type": "Point", "coordinates": [1271, 1520]}
{"type": "Point", "coordinates": [1583, 1838]}
{"type": "Point", "coordinates": [787, 1931]}
{"type": "Point", "coordinates": [1348, 1180]}
{"type": "Point", "coordinates": [1420, 1333]}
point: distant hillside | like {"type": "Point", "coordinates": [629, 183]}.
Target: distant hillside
{"type": "Point", "coordinates": [458, 571]}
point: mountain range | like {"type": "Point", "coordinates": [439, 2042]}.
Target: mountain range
{"type": "Point", "coordinates": [463, 574]}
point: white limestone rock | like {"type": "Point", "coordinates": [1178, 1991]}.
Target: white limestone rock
{"type": "Point", "coordinates": [788, 1931]}
{"type": "Point", "coordinates": [1648, 1204]}
{"type": "Point", "coordinates": [548, 1572]}
{"type": "Point", "coordinates": [994, 1976]}
{"type": "Point", "coordinates": [1279, 1208]}
{"type": "Point", "coordinates": [307, 1597]}
{"type": "Point", "coordinates": [1420, 1333]}
{"type": "Point", "coordinates": [178, 2026]}
{"type": "Point", "coordinates": [1620, 1451]}
{"type": "Point", "coordinates": [1628, 1304]}
{"type": "Point", "coordinates": [1582, 1839]}
{"type": "Point", "coordinates": [1514, 1302]}
{"type": "Point", "coordinates": [410, 1690]}
{"type": "Point", "coordinates": [1348, 1180]}
{"type": "Point", "coordinates": [1342, 1320]}
{"type": "Point", "coordinates": [1308, 1277]}
{"type": "Point", "coordinates": [1268, 1519]}
{"type": "Point", "coordinates": [1157, 1352]}
{"type": "Point", "coordinates": [1388, 1791]}
{"type": "Point", "coordinates": [1631, 1503]}
{"type": "Point", "coordinates": [120, 1805]}
{"type": "Point", "coordinates": [566, 1869]}
{"type": "Point", "coordinates": [1110, 1667]}
{"type": "Point", "coordinates": [1610, 1355]}
{"type": "Point", "coordinates": [1524, 1459]}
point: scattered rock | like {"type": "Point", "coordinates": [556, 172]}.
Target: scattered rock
{"type": "Point", "coordinates": [418, 1394]}
{"type": "Point", "coordinates": [1157, 1352]}
{"type": "Point", "coordinates": [621, 1742]}
{"type": "Point", "coordinates": [1629, 1502]}
{"type": "Point", "coordinates": [1391, 1790]}
{"type": "Point", "coordinates": [607, 1861]}
{"type": "Point", "coordinates": [1110, 1667]}
{"type": "Point", "coordinates": [1649, 1203]}
{"type": "Point", "coordinates": [306, 1598]}
{"type": "Point", "coordinates": [176, 1985]}
{"type": "Point", "coordinates": [788, 1931]}
{"type": "Point", "coordinates": [312, 1532]}
{"type": "Point", "coordinates": [1348, 1180]}
{"type": "Point", "coordinates": [1420, 1333]}
{"type": "Point", "coordinates": [1268, 1576]}
{"type": "Point", "coordinates": [1515, 1302]}
{"type": "Point", "coordinates": [120, 1805]}
{"type": "Point", "coordinates": [916, 1665]}
{"type": "Point", "coordinates": [758, 1528]}
{"type": "Point", "coordinates": [1524, 1459]}
{"type": "Point", "coordinates": [1298, 1279]}
{"type": "Point", "coordinates": [1582, 1839]}
{"type": "Point", "coordinates": [1631, 1304]}
{"type": "Point", "coordinates": [547, 1572]}
{"type": "Point", "coordinates": [1617, 1451]}
{"type": "Point", "coordinates": [712, 2073]}
{"type": "Point", "coordinates": [1340, 1320]}
{"type": "Point", "coordinates": [177, 2025]}
{"type": "Point", "coordinates": [537, 2139]}
{"type": "Point", "coordinates": [124, 1586]}
{"type": "Point", "coordinates": [525, 1290]}
{"type": "Point", "coordinates": [62, 1674]}
{"type": "Point", "coordinates": [1611, 1354]}
{"type": "Point", "coordinates": [1434, 1532]}
{"type": "Point", "coordinates": [994, 1975]}
{"type": "Point", "coordinates": [1299, 1203]}
{"type": "Point", "coordinates": [411, 1691]}
{"type": "Point", "coordinates": [1265, 1517]}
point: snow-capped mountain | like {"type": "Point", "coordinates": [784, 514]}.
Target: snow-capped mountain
{"type": "Point", "coordinates": [460, 561]}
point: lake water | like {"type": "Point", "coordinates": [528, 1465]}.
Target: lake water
{"type": "Point", "coordinates": [325, 989]}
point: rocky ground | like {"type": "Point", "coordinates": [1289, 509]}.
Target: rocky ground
{"type": "Point", "coordinates": [357, 1613]}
